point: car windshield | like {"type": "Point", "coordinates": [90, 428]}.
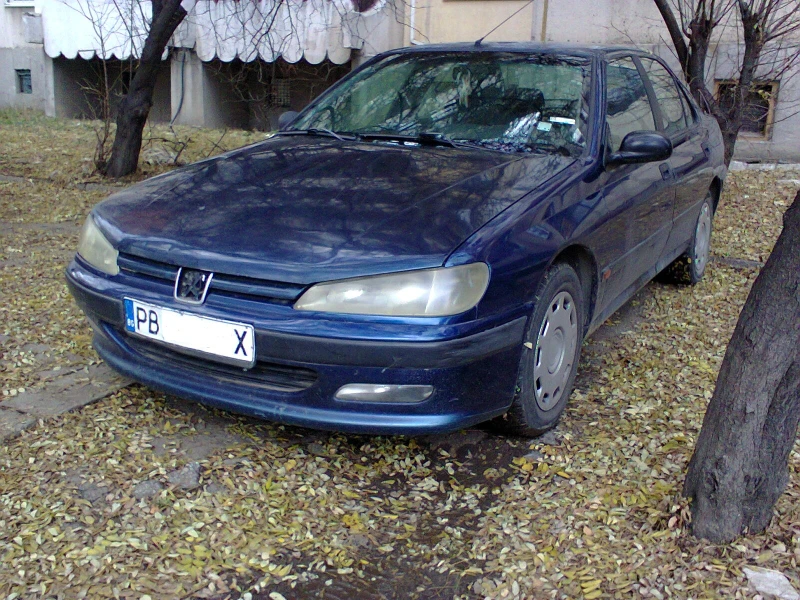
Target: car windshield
{"type": "Point", "coordinates": [502, 101]}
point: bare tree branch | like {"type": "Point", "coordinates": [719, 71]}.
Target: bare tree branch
{"type": "Point", "coordinates": [674, 30]}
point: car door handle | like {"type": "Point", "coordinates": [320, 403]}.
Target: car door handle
{"type": "Point", "coordinates": [666, 172]}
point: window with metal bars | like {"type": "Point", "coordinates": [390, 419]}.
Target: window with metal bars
{"type": "Point", "coordinates": [24, 84]}
{"type": "Point", "coordinates": [759, 111]}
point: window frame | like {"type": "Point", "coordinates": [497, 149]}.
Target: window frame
{"type": "Point", "coordinates": [693, 110]}
{"type": "Point", "coordinates": [21, 75]}
{"type": "Point", "coordinates": [769, 124]}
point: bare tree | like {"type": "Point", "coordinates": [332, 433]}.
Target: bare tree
{"type": "Point", "coordinates": [258, 27]}
{"type": "Point", "coordinates": [135, 106]}
{"type": "Point", "coordinates": [765, 30]}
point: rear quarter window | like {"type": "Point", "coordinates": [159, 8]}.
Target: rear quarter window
{"type": "Point", "coordinates": [670, 99]}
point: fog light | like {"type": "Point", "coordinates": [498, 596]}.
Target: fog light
{"type": "Point", "coordinates": [372, 392]}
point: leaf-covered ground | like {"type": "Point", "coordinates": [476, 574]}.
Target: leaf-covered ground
{"type": "Point", "coordinates": [591, 510]}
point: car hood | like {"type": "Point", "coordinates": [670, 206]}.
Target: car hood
{"type": "Point", "coordinates": [304, 209]}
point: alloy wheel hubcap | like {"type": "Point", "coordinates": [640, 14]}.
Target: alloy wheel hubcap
{"type": "Point", "coordinates": [555, 350]}
{"type": "Point", "coordinates": [702, 240]}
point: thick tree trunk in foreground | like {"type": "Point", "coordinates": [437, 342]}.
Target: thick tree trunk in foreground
{"type": "Point", "coordinates": [739, 467]}
{"type": "Point", "coordinates": [135, 106]}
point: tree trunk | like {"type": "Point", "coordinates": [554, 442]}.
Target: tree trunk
{"type": "Point", "coordinates": [135, 106]}
{"type": "Point", "coordinates": [131, 119]}
{"type": "Point", "coordinates": [739, 467]}
{"type": "Point", "coordinates": [730, 133]}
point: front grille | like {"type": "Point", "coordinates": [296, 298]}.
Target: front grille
{"type": "Point", "coordinates": [248, 287]}
{"type": "Point", "coordinates": [271, 376]}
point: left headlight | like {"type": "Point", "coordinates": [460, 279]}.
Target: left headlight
{"type": "Point", "coordinates": [425, 293]}
{"type": "Point", "coordinates": [95, 249]}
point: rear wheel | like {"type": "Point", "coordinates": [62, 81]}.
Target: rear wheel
{"type": "Point", "coordinates": [691, 266]}
{"type": "Point", "coordinates": [550, 355]}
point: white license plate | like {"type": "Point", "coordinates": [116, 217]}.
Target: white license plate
{"type": "Point", "coordinates": [225, 341]}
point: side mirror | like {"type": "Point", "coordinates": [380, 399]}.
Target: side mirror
{"type": "Point", "coordinates": [641, 147]}
{"type": "Point", "coordinates": [286, 119]}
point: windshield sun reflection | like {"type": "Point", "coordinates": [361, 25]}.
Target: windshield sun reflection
{"type": "Point", "coordinates": [499, 101]}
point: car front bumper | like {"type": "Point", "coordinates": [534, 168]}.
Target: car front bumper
{"type": "Point", "coordinates": [472, 368]}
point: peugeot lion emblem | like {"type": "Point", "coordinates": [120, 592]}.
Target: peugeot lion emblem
{"type": "Point", "coordinates": [191, 286]}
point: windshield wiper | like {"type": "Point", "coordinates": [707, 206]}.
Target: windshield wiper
{"type": "Point", "coordinates": [423, 138]}
{"type": "Point", "coordinates": [549, 148]}
{"type": "Point", "coordinates": [323, 131]}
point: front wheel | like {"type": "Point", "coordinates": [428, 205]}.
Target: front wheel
{"type": "Point", "coordinates": [549, 356]}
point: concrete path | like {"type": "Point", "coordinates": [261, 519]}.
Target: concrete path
{"type": "Point", "coordinates": [61, 394]}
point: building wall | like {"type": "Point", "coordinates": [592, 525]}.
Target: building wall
{"type": "Point", "coordinates": [441, 21]}
{"type": "Point", "coordinates": [619, 22]}
{"type": "Point", "coordinates": [69, 101]}
{"type": "Point", "coordinates": [21, 48]}
{"type": "Point", "coordinates": [579, 21]}
{"type": "Point", "coordinates": [12, 30]}
{"type": "Point", "coordinates": [78, 88]}
{"type": "Point", "coordinates": [236, 94]}
{"type": "Point", "coordinates": [384, 34]}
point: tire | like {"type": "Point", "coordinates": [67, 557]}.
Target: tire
{"type": "Point", "coordinates": [550, 355]}
{"type": "Point", "coordinates": [690, 267]}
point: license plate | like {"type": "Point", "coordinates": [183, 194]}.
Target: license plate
{"type": "Point", "coordinates": [217, 339]}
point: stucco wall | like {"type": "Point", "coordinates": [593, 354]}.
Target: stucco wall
{"type": "Point", "coordinates": [12, 31]}
{"type": "Point", "coordinates": [387, 34]}
{"type": "Point", "coordinates": [16, 52]}
{"type": "Point", "coordinates": [622, 22]}
{"type": "Point", "coordinates": [603, 22]}
{"type": "Point", "coordinates": [437, 21]}
{"type": "Point", "coordinates": [12, 59]}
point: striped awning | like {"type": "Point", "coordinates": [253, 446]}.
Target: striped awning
{"type": "Point", "coordinates": [246, 30]}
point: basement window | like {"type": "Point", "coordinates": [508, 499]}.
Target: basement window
{"type": "Point", "coordinates": [24, 85]}
{"type": "Point", "coordinates": [281, 93]}
{"type": "Point", "coordinates": [759, 112]}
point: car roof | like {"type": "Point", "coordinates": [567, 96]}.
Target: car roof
{"type": "Point", "coordinates": [523, 47]}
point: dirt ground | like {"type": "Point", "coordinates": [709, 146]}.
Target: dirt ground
{"type": "Point", "coordinates": [134, 494]}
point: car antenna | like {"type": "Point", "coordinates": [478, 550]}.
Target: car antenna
{"type": "Point", "coordinates": [478, 42]}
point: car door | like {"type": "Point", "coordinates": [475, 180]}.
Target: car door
{"type": "Point", "coordinates": [690, 164]}
{"type": "Point", "coordinates": [638, 197]}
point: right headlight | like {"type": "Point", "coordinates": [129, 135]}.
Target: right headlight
{"type": "Point", "coordinates": [425, 293]}
{"type": "Point", "coordinates": [96, 250]}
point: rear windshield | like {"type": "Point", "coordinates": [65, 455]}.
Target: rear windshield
{"type": "Point", "coordinates": [506, 101]}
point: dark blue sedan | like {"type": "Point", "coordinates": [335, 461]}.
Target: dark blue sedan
{"type": "Point", "coordinates": [422, 249]}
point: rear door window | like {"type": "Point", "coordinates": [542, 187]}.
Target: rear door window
{"type": "Point", "coordinates": [669, 97]}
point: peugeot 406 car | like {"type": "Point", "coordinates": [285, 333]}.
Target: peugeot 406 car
{"type": "Point", "coordinates": [423, 248]}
